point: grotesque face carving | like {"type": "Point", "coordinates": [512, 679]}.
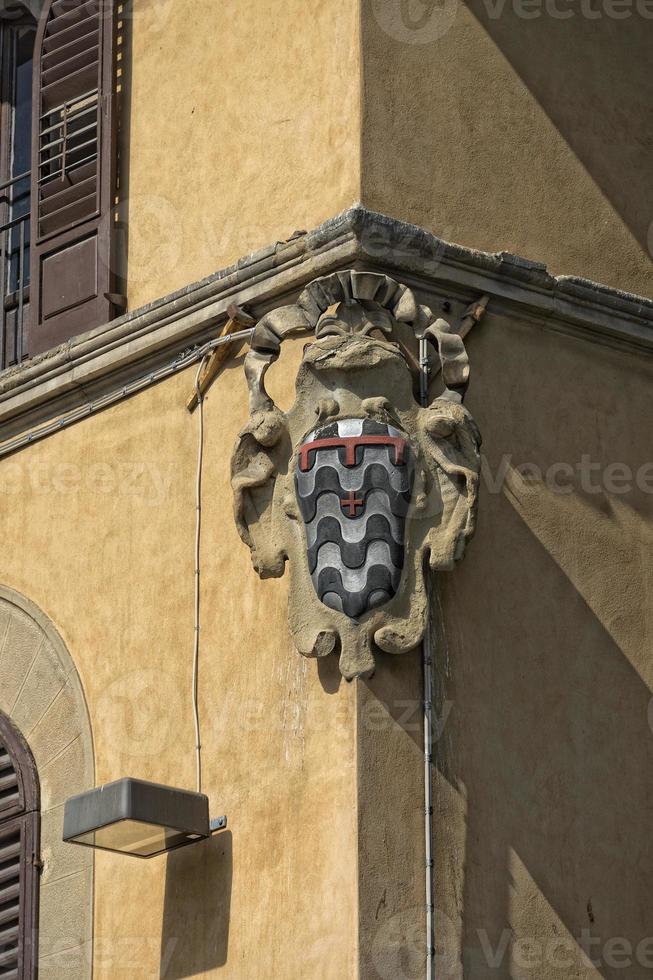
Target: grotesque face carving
{"type": "Point", "coordinates": [357, 485]}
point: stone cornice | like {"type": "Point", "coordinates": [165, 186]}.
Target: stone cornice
{"type": "Point", "coordinates": [102, 360]}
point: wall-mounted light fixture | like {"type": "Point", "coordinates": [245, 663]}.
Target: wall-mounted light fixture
{"type": "Point", "coordinates": [132, 816]}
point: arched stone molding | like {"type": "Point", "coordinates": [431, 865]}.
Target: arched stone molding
{"type": "Point", "coordinates": [41, 692]}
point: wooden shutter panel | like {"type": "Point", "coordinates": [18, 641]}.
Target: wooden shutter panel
{"type": "Point", "coordinates": [72, 171]}
{"type": "Point", "coordinates": [11, 790]}
{"type": "Point", "coordinates": [11, 847]}
{"type": "Point", "coordinates": [19, 877]}
{"type": "Point", "coordinates": [19, 848]}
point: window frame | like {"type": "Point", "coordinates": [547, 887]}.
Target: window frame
{"type": "Point", "coordinates": [73, 273]}
{"type": "Point", "coordinates": [12, 302]}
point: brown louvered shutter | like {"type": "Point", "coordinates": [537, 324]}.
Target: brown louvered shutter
{"type": "Point", "coordinates": [19, 848]}
{"type": "Point", "coordinates": [72, 171]}
{"type": "Point", "coordinates": [11, 846]}
{"type": "Point", "coordinates": [10, 791]}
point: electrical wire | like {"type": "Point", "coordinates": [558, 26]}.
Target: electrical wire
{"type": "Point", "coordinates": [198, 541]}
{"type": "Point", "coordinates": [427, 667]}
{"type": "Point", "coordinates": [427, 675]}
{"type": "Point", "coordinates": [180, 363]}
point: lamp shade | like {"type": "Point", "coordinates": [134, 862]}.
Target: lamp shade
{"type": "Point", "coordinates": [132, 816]}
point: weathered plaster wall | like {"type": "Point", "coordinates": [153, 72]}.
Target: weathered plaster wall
{"type": "Point", "coordinates": [98, 530]}
{"type": "Point", "coordinates": [530, 134]}
{"type": "Point", "coordinates": [390, 797]}
{"type": "Point", "coordinates": [543, 804]}
{"type": "Point", "coordinates": [243, 127]}
{"type": "Point", "coordinates": [545, 674]}
{"type": "Point", "coordinates": [543, 807]}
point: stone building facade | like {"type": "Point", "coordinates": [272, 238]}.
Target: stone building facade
{"type": "Point", "coordinates": [254, 150]}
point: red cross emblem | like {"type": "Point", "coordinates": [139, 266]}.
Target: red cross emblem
{"type": "Point", "coordinates": [352, 502]}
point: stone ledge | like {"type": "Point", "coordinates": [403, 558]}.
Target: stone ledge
{"type": "Point", "coordinates": [104, 359]}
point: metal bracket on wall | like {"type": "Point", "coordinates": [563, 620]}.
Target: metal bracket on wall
{"type": "Point", "coordinates": [472, 315]}
{"type": "Point", "coordinates": [217, 823]}
{"type": "Point", "coordinates": [119, 300]}
{"type": "Point", "coordinates": [238, 319]}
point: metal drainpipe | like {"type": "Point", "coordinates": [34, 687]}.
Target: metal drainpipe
{"type": "Point", "coordinates": [427, 673]}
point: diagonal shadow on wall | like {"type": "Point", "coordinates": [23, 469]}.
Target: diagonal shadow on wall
{"type": "Point", "coordinates": [590, 72]}
{"type": "Point", "coordinates": [195, 932]}
{"type": "Point", "coordinates": [550, 736]}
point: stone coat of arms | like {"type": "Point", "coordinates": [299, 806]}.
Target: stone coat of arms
{"type": "Point", "coordinates": [358, 486]}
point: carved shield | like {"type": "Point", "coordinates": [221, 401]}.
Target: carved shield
{"type": "Point", "coordinates": [354, 479]}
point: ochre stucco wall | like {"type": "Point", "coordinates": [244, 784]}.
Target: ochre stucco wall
{"type": "Point", "coordinates": [242, 126]}
{"type": "Point", "coordinates": [98, 531]}
{"type": "Point", "coordinates": [545, 674]}
{"type": "Point", "coordinates": [499, 132]}
{"type": "Point", "coordinates": [543, 801]}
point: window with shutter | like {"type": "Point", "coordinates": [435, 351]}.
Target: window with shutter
{"type": "Point", "coordinates": [17, 34]}
{"type": "Point", "coordinates": [73, 174]}
{"type": "Point", "coordinates": [19, 849]}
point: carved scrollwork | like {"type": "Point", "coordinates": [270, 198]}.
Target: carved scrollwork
{"type": "Point", "coordinates": [357, 485]}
